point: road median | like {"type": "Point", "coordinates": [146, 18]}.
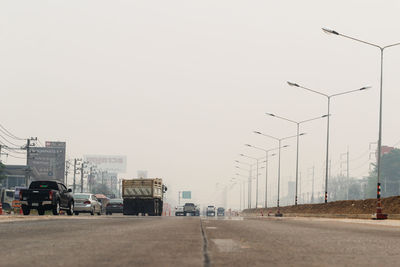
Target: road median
{"type": "Point", "coordinates": [357, 209]}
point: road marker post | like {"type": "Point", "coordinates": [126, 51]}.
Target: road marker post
{"type": "Point", "coordinates": [1, 208]}
{"type": "Point", "coordinates": [379, 215]}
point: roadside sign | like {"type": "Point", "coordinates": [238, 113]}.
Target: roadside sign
{"type": "Point", "coordinates": [186, 194]}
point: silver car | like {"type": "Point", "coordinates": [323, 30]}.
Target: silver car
{"type": "Point", "coordinates": [86, 202]}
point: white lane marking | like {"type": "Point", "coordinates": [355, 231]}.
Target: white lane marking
{"type": "Point", "coordinates": [226, 245]}
{"type": "Point", "coordinates": [211, 227]}
{"type": "Point", "coordinates": [395, 223]}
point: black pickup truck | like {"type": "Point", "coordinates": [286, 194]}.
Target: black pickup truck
{"type": "Point", "coordinates": [46, 195]}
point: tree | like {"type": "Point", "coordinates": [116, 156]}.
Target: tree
{"type": "Point", "coordinates": [390, 176]}
{"type": "Point", "coordinates": [101, 189]}
{"type": "Point", "coordinates": [341, 187]}
{"type": "Point", "coordinates": [2, 175]}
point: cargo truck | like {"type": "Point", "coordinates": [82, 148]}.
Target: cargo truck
{"type": "Point", "coordinates": [143, 196]}
{"type": "Point", "coordinates": [189, 208]}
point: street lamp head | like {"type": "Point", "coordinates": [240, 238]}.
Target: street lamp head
{"type": "Point", "coordinates": [241, 155]}
{"type": "Point", "coordinates": [365, 88]}
{"type": "Point", "coordinates": [270, 114]}
{"type": "Point", "coordinates": [324, 116]}
{"type": "Point", "coordinates": [285, 145]}
{"type": "Point", "coordinates": [293, 84]}
{"type": "Point", "coordinates": [302, 134]}
{"type": "Point", "coordinates": [329, 31]}
{"type": "Point", "coordinates": [237, 161]}
{"type": "Point", "coordinates": [256, 132]}
{"type": "Point", "coordinates": [248, 145]}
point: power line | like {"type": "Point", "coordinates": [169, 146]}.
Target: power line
{"type": "Point", "coordinates": [15, 156]}
{"type": "Point", "coordinates": [5, 139]}
{"type": "Point", "coordinates": [10, 134]}
{"type": "Point", "coordinates": [12, 151]}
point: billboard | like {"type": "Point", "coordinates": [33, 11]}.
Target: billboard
{"type": "Point", "coordinates": [49, 161]}
{"type": "Point", "coordinates": [186, 194]}
{"type": "Point", "coordinates": [142, 174]}
{"type": "Point", "coordinates": [109, 163]}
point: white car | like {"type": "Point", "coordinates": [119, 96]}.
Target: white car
{"type": "Point", "coordinates": [86, 202]}
{"type": "Point", "coordinates": [179, 211]}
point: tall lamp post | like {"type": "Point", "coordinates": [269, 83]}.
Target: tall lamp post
{"type": "Point", "coordinates": [243, 188]}
{"type": "Point", "coordinates": [249, 185]}
{"type": "Point", "coordinates": [266, 167]}
{"type": "Point", "coordinates": [328, 97]}
{"type": "Point", "coordinates": [241, 184]}
{"type": "Point", "coordinates": [257, 161]}
{"type": "Point", "coordinates": [297, 143]}
{"type": "Point", "coordinates": [379, 215]}
{"type": "Point", "coordinates": [278, 213]}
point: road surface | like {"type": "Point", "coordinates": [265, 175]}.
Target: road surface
{"type": "Point", "coordinates": [193, 241]}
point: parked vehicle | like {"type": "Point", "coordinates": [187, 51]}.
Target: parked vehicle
{"type": "Point", "coordinates": [6, 196]}
{"type": "Point", "coordinates": [86, 203]}
{"type": "Point", "coordinates": [220, 211]}
{"type": "Point", "coordinates": [189, 208]}
{"type": "Point", "coordinates": [143, 196]}
{"type": "Point", "coordinates": [210, 211]}
{"type": "Point", "coordinates": [115, 206]}
{"type": "Point", "coordinates": [179, 211]}
{"type": "Point", "coordinates": [103, 199]}
{"type": "Point", "coordinates": [46, 195]}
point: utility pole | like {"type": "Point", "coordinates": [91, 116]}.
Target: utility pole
{"type": "Point", "coordinates": [74, 184]}
{"type": "Point", "coordinates": [82, 173]}
{"type": "Point", "coordinates": [300, 185]}
{"type": "Point", "coordinates": [90, 179]}
{"type": "Point", "coordinates": [28, 157]}
{"type": "Point", "coordinates": [313, 176]}
{"type": "Point", "coordinates": [249, 188]}
{"type": "Point", "coordinates": [347, 162]}
{"type": "Point", "coordinates": [67, 165]}
{"type": "Point", "coordinates": [348, 171]}
{"type": "Point", "coordinates": [76, 161]}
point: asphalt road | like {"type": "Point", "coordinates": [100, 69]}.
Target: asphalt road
{"type": "Point", "coordinates": [194, 241]}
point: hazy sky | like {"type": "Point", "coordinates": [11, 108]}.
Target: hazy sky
{"type": "Point", "coordinates": [179, 86]}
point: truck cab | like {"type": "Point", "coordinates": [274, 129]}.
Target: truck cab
{"type": "Point", "coordinates": [210, 211]}
{"type": "Point", "coordinates": [220, 211]}
{"type": "Point", "coordinates": [189, 208]}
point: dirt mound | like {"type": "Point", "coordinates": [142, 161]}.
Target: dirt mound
{"type": "Point", "coordinates": [390, 205]}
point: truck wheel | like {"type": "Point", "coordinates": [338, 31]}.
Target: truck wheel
{"type": "Point", "coordinates": [70, 211]}
{"type": "Point", "coordinates": [92, 212]}
{"type": "Point", "coordinates": [40, 211]}
{"type": "Point", "coordinates": [25, 210]}
{"type": "Point", "coordinates": [76, 213]}
{"type": "Point", "coordinates": [56, 208]}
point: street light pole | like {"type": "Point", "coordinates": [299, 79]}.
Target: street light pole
{"type": "Point", "coordinates": [379, 214]}
{"type": "Point", "coordinates": [244, 186]}
{"type": "Point", "coordinates": [327, 125]}
{"type": "Point", "coordinates": [266, 168]}
{"type": "Point", "coordinates": [256, 159]}
{"type": "Point", "coordinates": [297, 144]}
{"type": "Point", "coordinates": [249, 187]}
{"type": "Point", "coordinates": [240, 182]}
{"type": "Point", "coordinates": [278, 213]}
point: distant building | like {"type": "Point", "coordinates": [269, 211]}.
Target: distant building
{"type": "Point", "coordinates": [386, 150]}
{"type": "Point", "coordinates": [18, 175]}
